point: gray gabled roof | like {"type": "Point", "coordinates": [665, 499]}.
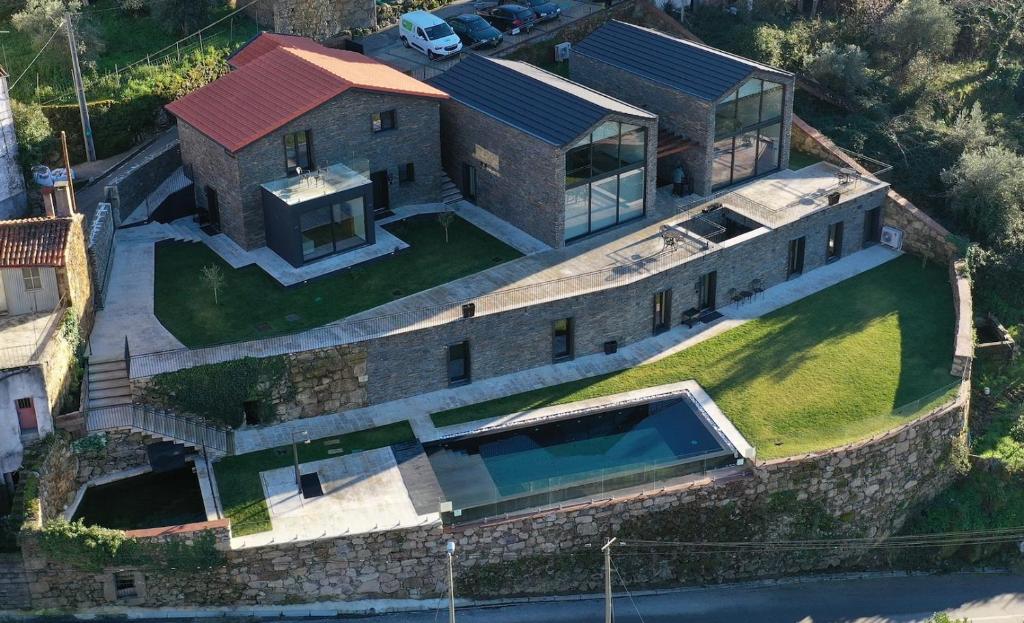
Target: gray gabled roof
{"type": "Point", "coordinates": [686, 66]}
{"type": "Point", "coordinates": [537, 102]}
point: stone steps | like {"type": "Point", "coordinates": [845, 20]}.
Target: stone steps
{"type": "Point", "coordinates": [108, 384]}
{"type": "Point", "coordinates": [450, 193]}
{"type": "Point", "coordinates": [14, 592]}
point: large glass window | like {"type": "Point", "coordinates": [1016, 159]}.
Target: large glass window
{"type": "Point", "coordinates": [748, 126]}
{"type": "Point", "coordinates": [297, 153]}
{"type": "Point", "coordinates": [333, 228]}
{"type": "Point", "coordinates": [604, 178]}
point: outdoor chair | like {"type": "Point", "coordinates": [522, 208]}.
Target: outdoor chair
{"type": "Point", "coordinates": [757, 286]}
{"type": "Point", "coordinates": [734, 296]}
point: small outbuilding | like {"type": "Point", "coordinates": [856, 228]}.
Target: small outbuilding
{"type": "Point", "coordinates": [555, 158]}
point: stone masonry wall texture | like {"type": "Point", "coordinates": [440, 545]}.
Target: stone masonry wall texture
{"type": "Point", "coordinates": [862, 490]}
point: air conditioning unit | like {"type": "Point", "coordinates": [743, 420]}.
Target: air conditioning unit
{"type": "Point", "coordinates": [892, 237]}
{"type": "Point", "coordinates": [562, 52]}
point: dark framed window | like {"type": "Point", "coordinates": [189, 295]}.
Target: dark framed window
{"type": "Point", "coordinates": [32, 278]}
{"type": "Point", "coordinates": [458, 363]}
{"type": "Point", "coordinates": [834, 250]}
{"type": "Point", "coordinates": [795, 262]}
{"type": "Point", "coordinates": [298, 152]}
{"type": "Point", "coordinates": [662, 311]}
{"type": "Point", "coordinates": [604, 178]}
{"type": "Point", "coordinates": [406, 173]}
{"type": "Point", "coordinates": [562, 339]}
{"type": "Point", "coordinates": [748, 132]}
{"type": "Point", "coordinates": [384, 120]}
{"type": "Point", "coordinates": [124, 584]}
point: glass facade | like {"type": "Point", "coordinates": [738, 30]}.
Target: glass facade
{"type": "Point", "coordinates": [748, 131]}
{"type": "Point", "coordinates": [604, 178]}
{"type": "Point", "coordinates": [333, 228]}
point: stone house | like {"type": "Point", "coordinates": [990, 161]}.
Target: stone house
{"type": "Point", "coordinates": [724, 118]}
{"type": "Point", "coordinates": [44, 276]}
{"type": "Point", "coordinates": [299, 144]}
{"type": "Point", "coordinates": [554, 158]}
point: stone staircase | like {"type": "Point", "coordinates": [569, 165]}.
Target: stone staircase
{"type": "Point", "coordinates": [450, 193]}
{"type": "Point", "coordinates": [108, 384]}
{"type": "Point", "coordinates": [14, 592]}
{"type": "Point", "coordinates": [179, 231]}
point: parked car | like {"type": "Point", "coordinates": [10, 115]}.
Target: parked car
{"type": "Point", "coordinates": [429, 34]}
{"type": "Point", "coordinates": [543, 10]}
{"type": "Point", "coordinates": [510, 18]}
{"type": "Point", "coordinates": [475, 31]}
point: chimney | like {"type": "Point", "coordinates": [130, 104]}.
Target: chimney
{"type": "Point", "coordinates": [48, 199]}
{"type": "Point", "coordinates": [62, 198]}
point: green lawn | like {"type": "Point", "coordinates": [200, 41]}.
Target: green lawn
{"type": "Point", "coordinates": [254, 305]}
{"type": "Point", "coordinates": [238, 477]}
{"type": "Point", "coordinates": [800, 159]}
{"type": "Point", "coordinates": [823, 371]}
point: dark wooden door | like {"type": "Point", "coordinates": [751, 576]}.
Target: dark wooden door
{"type": "Point", "coordinates": [379, 179]}
{"type": "Point", "coordinates": [706, 290]}
{"type": "Point", "coordinates": [469, 182]}
{"type": "Point", "coordinates": [212, 207]}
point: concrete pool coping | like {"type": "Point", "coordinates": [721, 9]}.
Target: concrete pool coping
{"type": "Point", "coordinates": [708, 412]}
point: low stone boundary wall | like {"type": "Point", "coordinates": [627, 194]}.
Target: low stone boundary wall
{"type": "Point", "coordinates": [101, 246]}
{"type": "Point", "coordinates": [131, 187]}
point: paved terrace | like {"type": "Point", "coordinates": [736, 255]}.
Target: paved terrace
{"type": "Point", "coordinates": [622, 255]}
{"type": "Point", "coordinates": [23, 337]}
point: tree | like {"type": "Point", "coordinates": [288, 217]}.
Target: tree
{"type": "Point", "coordinates": [35, 136]}
{"type": "Point", "coordinates": [182, 16]}
{"type": "Point", "coordinates": [213, 277]}
{"type": "Point", "coordinates": [999, 23]}
{"type": "Point", "coordinates": [986, 192]}
{"type": "Point", "coordinates": [446, 219]}
{"type": "Point", "coordinates": [840, 68]}
{"type": "Point", "coordinates": [132, 7]}
{"type": "Point", "coordinates": [918, 27]}
{"type": "Point", "coordinates": [969, 131]}
{"type": "Point", "coordinates": [39, 18]}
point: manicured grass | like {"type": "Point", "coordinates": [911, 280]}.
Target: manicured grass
{"type": "Point", "coordinates": [800, 159]}
{"type": "Point", "coordinates": [826, 370]}
{"type": "Point", "coordinates": [238, 477]}
{"type": "Point", "coordinates": [254, 305]}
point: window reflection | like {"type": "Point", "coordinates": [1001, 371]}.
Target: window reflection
{"type": "Point", "coordinates": [748, 128]}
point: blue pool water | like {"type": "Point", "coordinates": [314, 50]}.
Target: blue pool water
{"type": "Point", "coordinates": [519, 462]}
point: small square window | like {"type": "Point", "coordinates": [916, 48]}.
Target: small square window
{"type": "Point", "coordinates": [384, 120]}
{"type": "Point", "coordinates": [33, 280]}
{"type": "Point", "coordinates": [406, 173]}
{"type": "Point", "coordinates": [124, 584]}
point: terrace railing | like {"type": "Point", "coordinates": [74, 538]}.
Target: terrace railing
{"type": "Point", "coordinates": [160, 423]}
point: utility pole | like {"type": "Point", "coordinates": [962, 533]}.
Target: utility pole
{"type": "Point", "coordinates": [609, 610]}
{"type": "Point", "coordinates": [67, 171]}
{"type": "Point", "coordinates": [451, 582]}
{"type": "Point", "coordinates": [83, 107]}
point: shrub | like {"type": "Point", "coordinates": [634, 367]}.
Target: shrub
{"type": "Point", "coordinates": [842, 69]}
{"type": "Point", "coordinates": [36, 143]}
{"type": "Point", "coordinates": [918, 27]}
{"type": "Point", "coordinates": [1017, 430]}
{"type": "Point", "coordinates": [986, 190]}
{"type": "Point", "coordinates": [790, 47]}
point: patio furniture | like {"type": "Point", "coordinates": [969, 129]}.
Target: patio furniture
{"type": "Point", "coordinates": [746, 295]}
{"type": "Point", "coordinates": [734, 296]}
{"type": "Point", "coordinates": [691, 317]}
{"type": "Point", "coordinates": [757, 286]}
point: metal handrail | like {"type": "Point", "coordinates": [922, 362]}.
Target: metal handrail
{"type": "Point", "coordinates": [163, 423]}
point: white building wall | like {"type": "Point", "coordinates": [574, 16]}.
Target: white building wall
{"type": "Point", "coordinates": [13, 199]}
{"type": "Point", "coordinates": [24, 383]}
{"type": "Point", "coordinates": [21, 301]}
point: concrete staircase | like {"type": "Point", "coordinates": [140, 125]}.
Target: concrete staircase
{"type": "Point", "coordinates": [14, 593]}
{"type": "Point", "coordinates": [179, 231]}
{"type": "Point", "coordinates": [450, 193]}
{"type": "Point", "coordinates": [108, 384]}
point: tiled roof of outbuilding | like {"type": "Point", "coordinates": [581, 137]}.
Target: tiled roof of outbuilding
{"type": "Point", "coordinates": [278, 78]}
{"type": "Point", "coordinates": [692, 68]}
{"type": "Point", "coordinates": [530, 99]}
{"type": "Point", "coordinates": [33, 242]}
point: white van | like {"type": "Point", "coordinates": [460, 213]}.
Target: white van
{"type": "Point", "coordinates": [429, 34]}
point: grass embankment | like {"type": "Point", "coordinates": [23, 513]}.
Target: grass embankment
{"type": "Point", "coordinates": [254, 305]}
{"type": "Point", "coordinates": [826, 370]}
{"type": "Point", "coordinates": [238, 477]}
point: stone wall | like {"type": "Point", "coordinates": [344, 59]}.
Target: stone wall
{"type": "Point", "coordinates": [101, 250]}
{"type": "Point", "coordinates": [320, 19]}
{"type": "Point", "coordinates": [864, 489]}
{"type": "Point", "coordinates": [124, 449]}
{"type": "Point", "coordinates": [75, 278]}
{"type": "Point", "coordinates": [130, 187]}
{"type": "Point", "coordinates": [325, 381]}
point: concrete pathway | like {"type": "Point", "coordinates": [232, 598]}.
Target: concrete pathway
{"type": "Point", "coordinates": [418, 408]}
{"type": "Point", "coordinates": [128, 311]}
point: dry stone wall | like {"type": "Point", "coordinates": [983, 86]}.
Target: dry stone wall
{"type": "Point", "coordinates": [325, 381]}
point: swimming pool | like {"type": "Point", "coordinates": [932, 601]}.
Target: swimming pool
{"type": "Point", "coordinates": [572, 457]}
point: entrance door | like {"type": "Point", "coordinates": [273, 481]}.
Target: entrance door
{"type": "Point", "coordinates": [213, 207]}
{"type": "Point", "coordinates": [26, 414]}
{"type": "Point", "coordinates": [662, 311]}
{"type": "Point", "coordinates": [469, 182]}
{"type": "Point", "coordinates": [379, 179]}
{"type": "Point", "coordinates": [706, 287]}
{"type": "Point", "coordinates": [3, 298]}
{"type": "Point", "coordinates": [872, 226]}
{"type": "Point", "coordinates": [795, 264]}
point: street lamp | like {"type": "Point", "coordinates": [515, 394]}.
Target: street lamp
{"type": "Point", "coordinates": [295, 454]}
{"type": "Point", "coordinates": [451, 582]}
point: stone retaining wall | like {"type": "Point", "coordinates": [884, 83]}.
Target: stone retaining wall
{"type": "Point", "coordinates": [132, 185]}
{"type": "Point", "coordinates": [325, 381]}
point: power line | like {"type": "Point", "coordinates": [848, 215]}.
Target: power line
{"type": "Point", "coordinates": [38, 54]}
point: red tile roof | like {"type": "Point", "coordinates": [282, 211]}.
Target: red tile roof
{"type": "Point", "coordinates": [33, 242]}
{"type": "Point", "coordinates": [278, 78]}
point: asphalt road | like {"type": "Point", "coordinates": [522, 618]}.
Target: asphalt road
{"type": "Point", "coordinates": [981, 598]}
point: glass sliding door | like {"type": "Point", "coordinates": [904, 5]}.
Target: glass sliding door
{"type": "Point", "coordinates": [748, 128]}
{"type": "Point", "coordinates": [604, 178]}
{"type": "Point", "coordinates": [317, 233]}
{"type": "Point", "coordinates": [333, 228]}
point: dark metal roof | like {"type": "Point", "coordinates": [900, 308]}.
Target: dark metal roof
{"type": "Point", "coordinates": [537, 102]}
{"type": "Point", "coordinates": [686, 66]}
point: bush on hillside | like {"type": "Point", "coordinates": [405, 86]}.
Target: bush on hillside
{"type": "Point", "coordinates": [842, 69]}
